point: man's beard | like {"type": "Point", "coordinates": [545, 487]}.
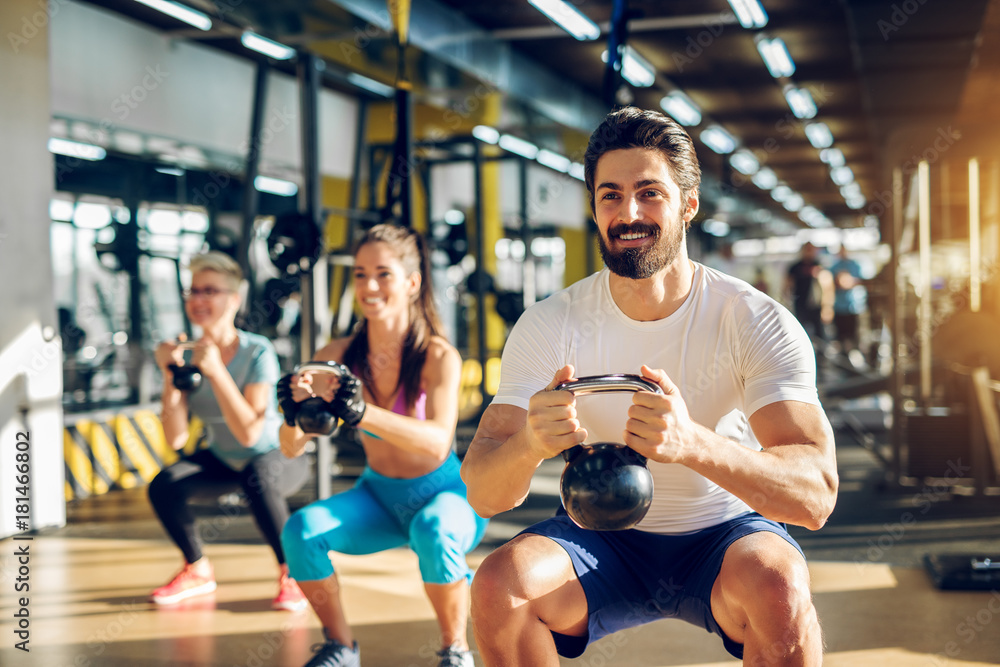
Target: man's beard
{"type": "Point", "coordinates": [645, 261]}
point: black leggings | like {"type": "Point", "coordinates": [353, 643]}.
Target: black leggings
{"type": "Point", "coordinates": [267, 480]}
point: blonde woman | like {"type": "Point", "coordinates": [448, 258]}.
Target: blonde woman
{"type": "Point", "coordinates": [236, 403]}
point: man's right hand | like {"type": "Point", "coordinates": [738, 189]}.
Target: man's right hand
{"type": "Point", "coordinates": [552, 425]}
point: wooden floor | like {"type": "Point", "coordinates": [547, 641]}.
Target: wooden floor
{"type": "Point", "coordinates": [89, 582]}
{"type": "Point", "coordinates": [87, 608]}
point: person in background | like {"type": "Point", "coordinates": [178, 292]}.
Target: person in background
{"type": "Point", "coordinates": [848, 303]}
{"type": "Point", "coordinates": [405, 405]}
{"type": "Point", "coordinates": [237, 404]}
{"type": "Point", "coordinates": [809, 287]}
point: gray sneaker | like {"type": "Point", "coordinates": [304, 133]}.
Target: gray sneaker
{"type": "Point", "coordinates": [334, 654]}
{"type": "Point", "coordinates": [453, 657]}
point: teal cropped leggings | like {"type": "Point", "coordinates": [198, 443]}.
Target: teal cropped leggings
{"type": "Point", "coordinates": [428, 513]}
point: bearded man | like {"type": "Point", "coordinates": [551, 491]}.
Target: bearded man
{"type": "Point", "coordinates": [737, 442]}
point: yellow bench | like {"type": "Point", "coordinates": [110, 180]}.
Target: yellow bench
{"type": "Point", "coordinates": [122, 451]}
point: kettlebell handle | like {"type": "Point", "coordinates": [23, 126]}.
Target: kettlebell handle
{"type": "Point", "coordinates": [331, 367]}
{"type": "Point", "coordinates": [599, 384]}
{"type": "Point", "coordinates": [184, 347]}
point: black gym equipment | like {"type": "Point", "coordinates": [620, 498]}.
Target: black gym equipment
{"type": "Point", "coordinates": [186, 376]}
{"type": "Point", "coordinates": [316, 415]}
{"type": "Point", "coordinates": [606, 486]}
{"type": "Point", "coordinates": [294, 243]}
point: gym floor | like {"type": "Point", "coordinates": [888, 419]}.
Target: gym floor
{"type": "Point", "coordinates": [877, 605]}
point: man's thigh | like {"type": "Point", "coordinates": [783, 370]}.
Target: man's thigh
{"type": "Point", "coordinates": [753, 568]}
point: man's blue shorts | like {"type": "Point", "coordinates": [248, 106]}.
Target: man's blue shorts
{"type": "Point", "coordinates": [632, 577]}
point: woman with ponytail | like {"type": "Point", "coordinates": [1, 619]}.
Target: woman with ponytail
{"type": "Point", "coordinates": [406, 409]}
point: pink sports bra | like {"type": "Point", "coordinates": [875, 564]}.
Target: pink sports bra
{"type": "Point", "coordinates": [419, 408]}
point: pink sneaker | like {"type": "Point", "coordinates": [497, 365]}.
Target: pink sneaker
{"type": "Point", "coordinates": [290, 596]}
{"type": "Point", "coordinates": [187, 584]}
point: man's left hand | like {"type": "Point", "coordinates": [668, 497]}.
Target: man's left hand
{"type": "Point", "coordinates": [659, 425]}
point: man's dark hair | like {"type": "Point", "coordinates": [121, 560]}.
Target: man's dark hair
{"type": "Point", "coordinates": [631, 127]}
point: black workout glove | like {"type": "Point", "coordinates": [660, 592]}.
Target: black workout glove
{"type": "Point", "coordinates": [288, 405]}
{"type": "Point", "coordinates": [349, 403]}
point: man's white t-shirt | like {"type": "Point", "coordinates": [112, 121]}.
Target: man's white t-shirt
{"type": "Point", "coordinates": [729, 348]}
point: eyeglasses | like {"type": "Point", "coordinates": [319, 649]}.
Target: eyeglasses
{"type": "Point", "coordinates": [207, 292]}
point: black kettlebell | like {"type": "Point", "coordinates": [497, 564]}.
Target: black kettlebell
{"type": "Point", "coordinates": [607, 485]}
{"type": "Point", "coordinates": [315, 414]}
{"type": "Point", "coordinates": [186, 377]}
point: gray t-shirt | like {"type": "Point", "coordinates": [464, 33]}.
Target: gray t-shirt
{"type": "Point", "coordinates": [255, 361]}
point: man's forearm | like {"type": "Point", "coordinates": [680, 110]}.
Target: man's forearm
{"type": "Point", "coordinates": [787, 483]}
{"type": "Point", "coordinates": [498, 474]}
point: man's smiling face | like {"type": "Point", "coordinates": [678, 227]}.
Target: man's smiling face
{"type": "Point", "coordinates": [640, 212]}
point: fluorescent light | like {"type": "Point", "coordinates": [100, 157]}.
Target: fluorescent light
{"type": "Point", "coordinates": [553, 160]}
{"type": "Point", "coordinates": [718, 228]}
{"type": "Point", "coordinates": [371, 85]}
{"type": "Point", "coordinates": [486, 134]}
{"type": "Point", "coordinates": [718, 139]}
{"type": "Point", "coordinates": [776, 57]}
{"type": "Point", "coordinates": [635, 69]}
{"type": "Point", "coordinates": [744, 162]}
{"type": "Point", "coordinates": [856, 202]}
{"type": "Point", "coordinates": [576, 171]}
{"type": "Point", "coordinates": [680, 107]}
{"type": "Point", "coordinates": [163, 221]}
{"type": "Point", "coordinates": [810, 215]}
{"type": "Point", "coordinates": [76, 149]}
{"type": "Point", "coordinates": [268, 47]}
{"type": "Point", "coordinates": [170, 171]}
{"type": "Point", "coordinates": [517, 145]}
{"type": "Point", "coordinates": [194, 221]}
{"type": "Point", "coordinates": [765, 178]}
{"type": "Point", "coordinates": [819, 135]}
{"type": "Point", "coordinates": [852, 189]}
{"type": "Point", "coordinates": [61, 210]}
{"type": "Point", "coordinates": [275, 186]}
{"type": "Point", "coordinates": [568, 17]}
{"type": "Point", "coordinates": [794, 202]}
{"type": "Point", "coordinates": [842, 175]}
{"type": "Point", "coordinates": [180, 12]}
{"type": "Point", "coordinates": [800, 101]}
{"type": "Point", "coordinates": [833, 157]}
{"type": "Point", "coordinates": [89, 215]}
{"type": "Point", "coordinates": [749, 13]}
{"type": "Point", "coordinates": [781, 192]}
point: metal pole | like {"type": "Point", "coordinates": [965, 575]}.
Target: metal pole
{"type": "Point", "coordinates": [896, 333]}
{"type": "Point", "coordinates": [309, 197]}
{"type": "Point", "coordinates": [480, 259]}
{"type": "Point", "coordinates": [310, 201]}
{"type": "Point", "coordinates": [616, 40]}
{"type": "Point", "coordinates": [975, 248]}
{"type": "Point", "coordinates": [400, 183]}
{"type": "Point", "coordinates": [251, 198]}
{"type": "Point", "coordinates": [528, 268]}
{"type": "Point", "coordinates": [924, 232]}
